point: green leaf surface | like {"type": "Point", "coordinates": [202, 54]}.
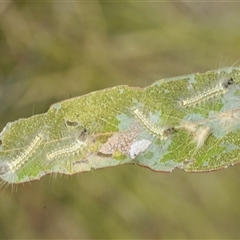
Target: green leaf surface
{"type": "Point", "coordinates": [189, 122]}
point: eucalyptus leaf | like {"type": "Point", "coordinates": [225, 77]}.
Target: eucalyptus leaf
{"type": "Point", "coordinates": [189, 122]}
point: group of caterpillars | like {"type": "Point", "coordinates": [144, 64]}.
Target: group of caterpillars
{"type": "Point", "coordinates": [200, 132]}
{"type": "Point", "coordinates": [64, 148]}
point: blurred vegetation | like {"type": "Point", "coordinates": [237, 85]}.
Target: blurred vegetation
{"type": "Point", "coordinates": [51, 51]}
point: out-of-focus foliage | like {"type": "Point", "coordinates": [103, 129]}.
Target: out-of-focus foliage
{"type": "Point", "coordinates": [51, 51]}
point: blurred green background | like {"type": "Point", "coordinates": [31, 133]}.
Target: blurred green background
{"type": "Point", "coordinates": [51, 51]}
